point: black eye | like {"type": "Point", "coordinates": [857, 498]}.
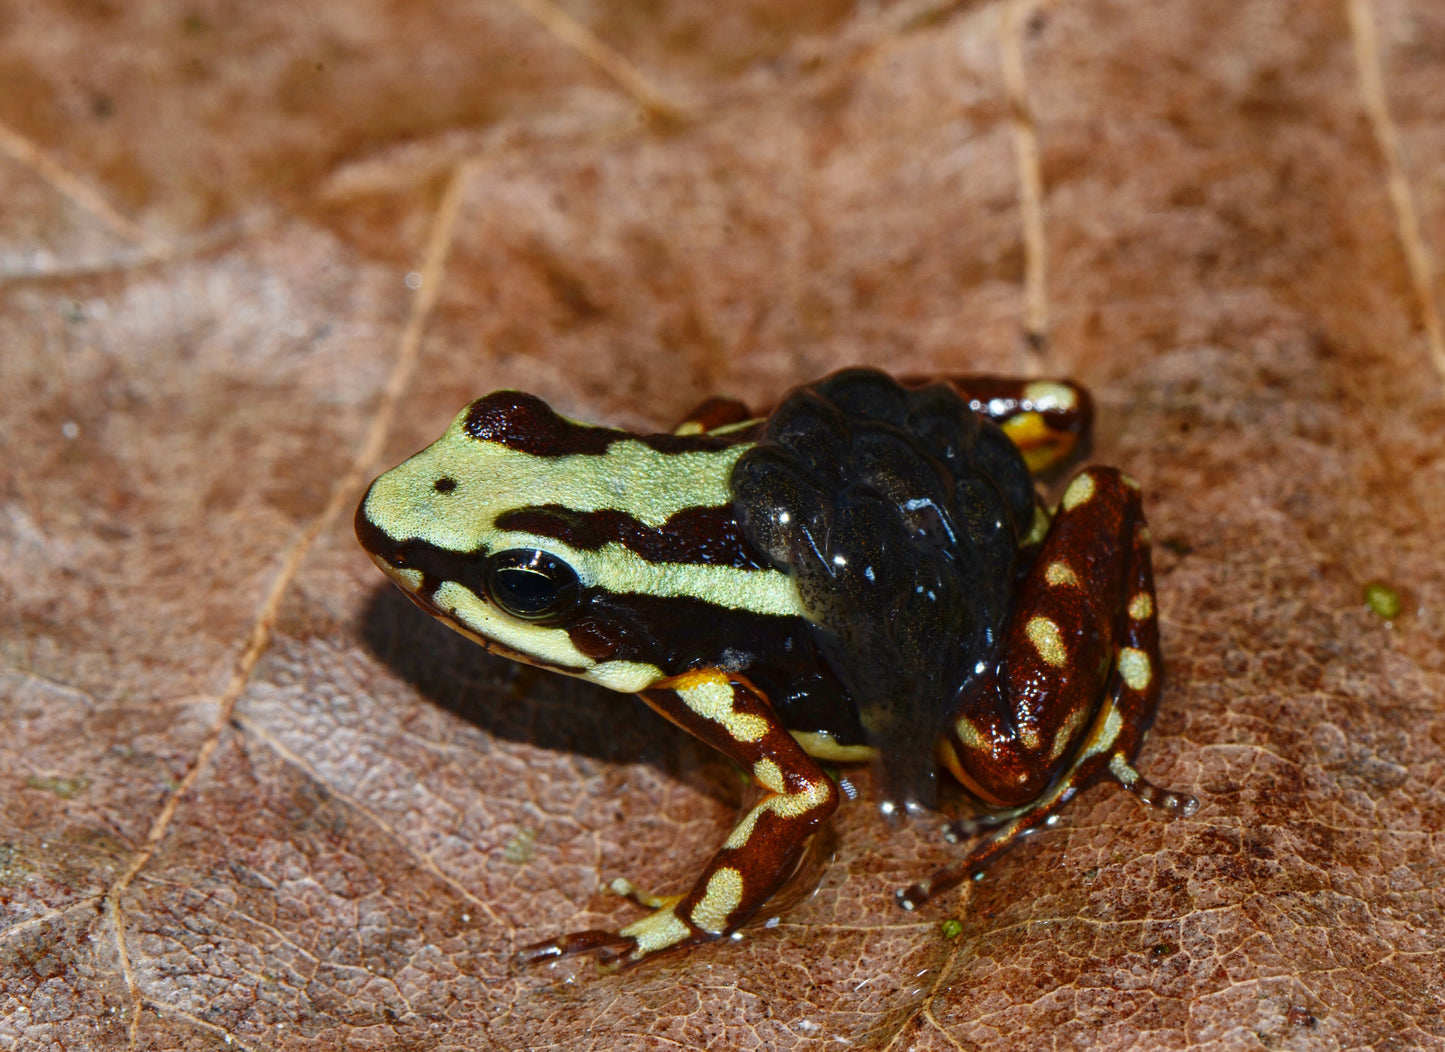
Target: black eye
{"type": "Point", "coordinates": [532, 584]}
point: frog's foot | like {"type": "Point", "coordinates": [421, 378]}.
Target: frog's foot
{"type": "Point", "coordinates": [662, 929]}
{"type": "Point", "coordinates": [1000, 831]}
{"type": "Point", "coordinates": [1172, 802]}
{"type": "Point", "coordinates": [993, 844]}
{"type": "Point", "coordinates": [958, 830]}
{"type": "Point", "coordinates": [610, 947]}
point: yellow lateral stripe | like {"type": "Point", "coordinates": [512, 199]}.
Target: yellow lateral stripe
{"type": "Point", "coordinates": [622, 571]}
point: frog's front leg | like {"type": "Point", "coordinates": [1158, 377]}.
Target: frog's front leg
{"type": "Point", "coordinates": [1077, 681]}
{"type": "Point", "coordinates": [727, 712]}
{"type": "Point", "coordinates": [1048, 420]}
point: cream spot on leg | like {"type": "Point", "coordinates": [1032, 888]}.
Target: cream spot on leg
{"type": "Point", "coordinates": [1044, 395]}
{"type": "Point", "coordinates": [1080, 491]}
{"type": "Point", "coordinates": [1122, 772]}
{"type": "Point", "coordinates": [1105, 731]}
{"type": "Point", "coordinates": [783, 804]}
{"type": "Point", "coordinates": [1141, 607]}
{"type": "Point", "coordinates": [1038, 528]}
{"type": "Point", "coordinates": [712, 698]}
{"type": "Point", "coordinates": [724, 892]}
{"type": "Point", "coordinates": [1068, 730]}
{"type": "Point", "coordinates": [744, 829]}
{"type": "Point", "coordinates": [1045, 637]}
{"type": "Point", "coordinates": [967, 733]}
{"type": "Point", "coordinates": [795, 805]}
{"type": "Point", "coordinates": [768, 775]}
{"type": "Point", "coordinates": [1059, 573]}
{"type": "Point", "coordinates": [656, 931]}
{"type": "Point", "coordinates": [1135, 667]}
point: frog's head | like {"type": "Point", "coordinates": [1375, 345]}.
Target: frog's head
{"type": "Point", "coordinates": [556, 543]}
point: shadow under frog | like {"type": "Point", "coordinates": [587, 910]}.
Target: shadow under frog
{"type": "Point", "coordinates": [519, 703]}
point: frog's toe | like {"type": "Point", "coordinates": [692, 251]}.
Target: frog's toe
{"type": "Point", "coordinates": [662, 929]}
{"type": "Point", "coordinates": [1172, 802]}
{"type": "Point", "coordinates": [609, 946]}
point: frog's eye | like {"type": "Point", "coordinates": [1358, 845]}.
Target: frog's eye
{"type": "Point", "coordinates": [532, 585]}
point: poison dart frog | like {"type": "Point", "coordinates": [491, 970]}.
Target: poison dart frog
{"type": "Point", "coordinates": [866, 573]}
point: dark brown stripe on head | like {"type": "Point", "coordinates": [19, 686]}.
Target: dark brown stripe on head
{"type": "Point", "coordinates": [526, 423]}
{"type": "Point", "coordinates": [529, 425]}
{"type": "Point", "coordinates": [709, 536]}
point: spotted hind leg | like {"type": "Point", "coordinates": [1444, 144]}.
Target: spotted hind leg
{"type": "Point", "coordinates": [1077, 683]}
{"type": "Point", "coordinates": [727, 712]}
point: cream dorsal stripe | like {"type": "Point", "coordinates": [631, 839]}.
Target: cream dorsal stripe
{"type": "Point", "coordinates": [487, 481]}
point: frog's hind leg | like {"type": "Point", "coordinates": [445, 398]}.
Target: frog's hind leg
{"type": "Point", "coordinates": [1077, 683]}
{"type": "Point", "coordinates": [712, 414]}
{"type": "Point", "coordinates": [727, 712]}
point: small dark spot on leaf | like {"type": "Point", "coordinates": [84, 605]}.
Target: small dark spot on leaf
{"type": "Point", "coordinates": [1299, 1015]}
{"type": "Point", "coordinates": [1163, 949]}
{"type": "Point", "coordinates": [1176, 546]}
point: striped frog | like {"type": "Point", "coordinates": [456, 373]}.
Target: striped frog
{"type": "Point", "coordinates": [864, 574]}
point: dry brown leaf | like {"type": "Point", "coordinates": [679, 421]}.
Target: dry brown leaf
{"type": "Point", "coordinates": [253, 799]}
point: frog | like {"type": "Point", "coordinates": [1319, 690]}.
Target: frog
{"type": "Point", "coordinates": [868, 573]}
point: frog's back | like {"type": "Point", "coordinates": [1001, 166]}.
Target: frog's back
{"type": "Point", "coordinates": [899, 513]}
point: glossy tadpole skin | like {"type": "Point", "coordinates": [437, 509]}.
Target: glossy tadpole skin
{"type": "Point", "coordinates": [899, 513]}
{"type": "Point", "coordinates": [864, 574]}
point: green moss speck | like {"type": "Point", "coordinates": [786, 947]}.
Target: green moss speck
{"type": "Point", "coordinates": [1382, 600]}
{"type": "Point", "coordinates": [65, 788]}
{"type": "Point", "coordinates": [521, 846]}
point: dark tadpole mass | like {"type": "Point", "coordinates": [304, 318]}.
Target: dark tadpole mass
{"type": "Point", "coordinates": [898, 511]}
